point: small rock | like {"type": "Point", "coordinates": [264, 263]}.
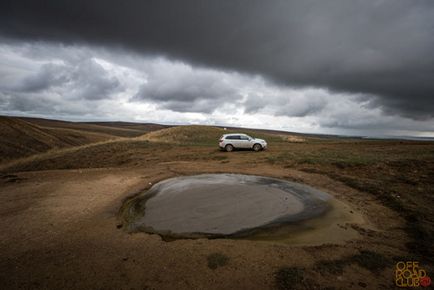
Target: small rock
{"type": "Point", "coordinates": [361, 284]}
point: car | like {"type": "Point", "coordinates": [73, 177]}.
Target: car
{"type": "Point", "coordinates": [229, 142]}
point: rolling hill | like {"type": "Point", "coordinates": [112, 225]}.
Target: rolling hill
{"type": "Point", "coordinates": [19, 138]}
{"type": "Point", "coordinates": [23, 137]}
{"type": "Point", "coordinates": [109, 150]}
{"type": "Point", "coordinates": [208, 135]}
{"type": "Point", "coordinates": [186, 135]}
{"type": "Point", "coordinates": [118, 129]}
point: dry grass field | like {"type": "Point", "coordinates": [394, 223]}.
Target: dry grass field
{"type": "Point", "coordinates": [62, 185]}
{"type": "Point", "coordinates": [20, 137]}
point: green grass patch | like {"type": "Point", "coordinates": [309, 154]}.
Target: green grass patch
{"type": "Point", "coordinates": [383, 189]}
{"type": "Point", "coordinates": [369, 260]}
{"type": "Point", "coordinates": [335, 267]}
{"type": "Point", "coordinates": [298, 156]}
{"type": "Point", "coordinates": [289, 277]}
{"type": "Point", "coordinates": [216, 260]}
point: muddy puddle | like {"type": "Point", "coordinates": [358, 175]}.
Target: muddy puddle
{"type": "Point", "coordinates": [240, 207]}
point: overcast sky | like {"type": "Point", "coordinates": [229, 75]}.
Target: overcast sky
{"type": "Point", "coordinates": [338, 66]}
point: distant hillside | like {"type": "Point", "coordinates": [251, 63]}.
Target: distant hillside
{"type": "Point", "coordinates": [206, 135]}
{"type": "Point", "coordinates": [22, 137]}
{"type": "Point", "coordinates": [119, 129]}
{"type": "Point", "coordinates": [19, 138]}
{"type": "Point", "coordinates": [139, 127]}
{"type": "Point", "coordinates": [165, 145]}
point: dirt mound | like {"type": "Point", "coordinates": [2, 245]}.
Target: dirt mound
{"type": "Point", "coordinates": [186, 135]}
{"type": "Point", "coordinates": [19, 138]}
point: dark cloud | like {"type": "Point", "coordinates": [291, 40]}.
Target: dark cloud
{"type": "Point", "coordinates": [285, 102]}
{"type": "Point", "coordinates": [47, 76]}
{"type": "Point", "coordinates": [84, 79]}
{"type": "Point", "coordinates": [92, 81]}
{"type": "Point", "coordinates": [182, 89]}
{"type": "Point", "coordinates": [382, 48]}
{"type": "Point", "coordinates": [28, 103]}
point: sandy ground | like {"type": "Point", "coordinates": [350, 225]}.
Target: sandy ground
{"type": "Point", "coordinates": [60, 230]}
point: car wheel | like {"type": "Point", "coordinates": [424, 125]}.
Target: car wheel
{"type": "Point", "coordinates": [257, 147]}
{"type": "Point", "coordinates": [229, 148]}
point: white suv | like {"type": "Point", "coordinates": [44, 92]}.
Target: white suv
{"type": "Point", "coordinates": [229, 142]}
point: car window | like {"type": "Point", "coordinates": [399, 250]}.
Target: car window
{"type": "Point", "coordinates": [233, 137]}
{"type": "Point", "coordinates": [242, 137]}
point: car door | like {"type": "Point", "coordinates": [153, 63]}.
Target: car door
{"type": "Point", "coordinates": [237, 141]}
{"type": "Point", "coordinates": [244, 142]}
{"type": "Point", "coordinates": [234, 140]}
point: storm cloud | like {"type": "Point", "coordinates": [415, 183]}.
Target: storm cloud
{"type": "Point", "coordinates": [83, 80]}
{"type": "Point", "coordinates": [181, 88]}
{"type": "Point", "coordinates": [380, 48]}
